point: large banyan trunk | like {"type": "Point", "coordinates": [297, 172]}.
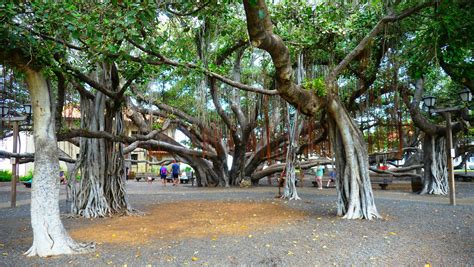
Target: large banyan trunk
{"type": "Point", "coordinates": [88, 196]}
{"type": "Point", "coordinates": [293, 133]}
{"type": "Point", "coordinates": [205, 176]}
{"type": "Point", "coordinates": [236, 173]}
{"type": "Point", "coordinates": [355, 198]}
{"type": "Point", "coordinates": [49, 236]}
{"type": "Point", "coordinates": [435, 178]}
{"type": "Point", "coordinates": [101, 190]}
{"type": "Point", "coordinates": [220, 168]}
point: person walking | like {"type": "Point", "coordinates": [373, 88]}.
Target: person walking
{"type": "Point", "coordinates": [319, 176]}
{"type": "Point", "coordinates": [175, 171]}
{"type": "Point", "coordinates": [163, 174]}
{"type": "Point", "coordinates": [332, 177]}
{"type": "Point", "coordinates": [62, 177]}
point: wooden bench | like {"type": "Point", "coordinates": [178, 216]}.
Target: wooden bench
{"type": "Point", "coordinates": [145, 175]}
{"type": "Point", "coordinates": [27, 184]}
{"type": "Point", "coordinates": [463, 177]}
{"type": "Point", "coordinates": [382, 182]}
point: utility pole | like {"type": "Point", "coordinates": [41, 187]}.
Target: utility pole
{"type": "Point", "coordinates": [450, 154]}
{"type": "Point", "coordinates": [14, 162]}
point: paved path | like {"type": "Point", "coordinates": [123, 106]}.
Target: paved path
{"type": "Point", "coordinates": [465, 192]}
{"type": "Point", "coordinates": [415, 230]}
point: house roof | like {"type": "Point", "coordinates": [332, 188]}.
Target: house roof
{"type": "Point", "coordinates": [71, 112]}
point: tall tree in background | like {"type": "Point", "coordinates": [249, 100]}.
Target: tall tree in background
{"type": "Point", "coordinates": [355, 197]}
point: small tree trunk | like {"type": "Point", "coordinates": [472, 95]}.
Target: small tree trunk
{"type": "Point", "coordinates": [355, 199]}
{"type": "Point", "coordinates": [115, 183]}
{"type": "Point", "coordinates": [49, 235]}
{"type": "Point", "coordinates": [88, 196]}
{"type": "Point", "coordinates": [293, 132]}
{"type": "Point", "coordinates": [435, 178]}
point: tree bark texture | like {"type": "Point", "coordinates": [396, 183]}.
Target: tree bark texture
{"type": "Point", "coordinates": [355, 198]}
{"type": "Point", "coordinates": [294, 128]}
{"type": "Point", "coordinates": [101, 190]}
{"type": "Point", "coordinates": [435, 177]}
{"type": "Point", "coordinates": [49, 235]}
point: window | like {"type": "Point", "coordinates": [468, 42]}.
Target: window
{"type": "Point", "coordinates": [134, 157]}
{"type": "Point", "coordinates": [77, 156]}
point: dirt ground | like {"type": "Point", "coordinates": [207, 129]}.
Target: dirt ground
{"type": "Point", "coordinates": [250, 227]}
{"type": "Point", "coordinates": [189, 219]}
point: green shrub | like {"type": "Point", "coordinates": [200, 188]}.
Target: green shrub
{"type": "Point", "coordinates": [27, 177]}
{"type": "Point", "coordinates": [5, 176]}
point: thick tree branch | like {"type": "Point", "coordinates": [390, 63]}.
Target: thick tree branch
{"type": "Point", "coordinates": [30, 157]}
{"type": "Point", "coordinates": [304, 165]}
{"type": "Point", "coordinates": [395, 174]}
{"type": "Point", "coordinates": [162, 60]}
{"type": "Point", "coordinates": [418, 119]}
{"type": "Point", "coordinates": [260, 28]}
{"type": "Point", "coordinates": [82, 91]}
{"type": "Point", "coordinates": [366, 40]}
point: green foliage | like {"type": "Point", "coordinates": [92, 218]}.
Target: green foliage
{"type": "Point", "coordinates": [5, 175]}
{"type": "Point", "coordinates": [157, 125]}
{"type": "Point", "coordinates": [27, 177]}
{"type": "Point", "coordinates": [317, 85]}
{"type": "Point", "coordinates": [324, 30]}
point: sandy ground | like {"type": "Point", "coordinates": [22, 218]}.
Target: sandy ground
{"type": "Point", "coordinates": [187, 225]}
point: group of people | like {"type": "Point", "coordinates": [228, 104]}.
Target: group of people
{"type": "Point", "coordinates": [319, 171]}
{"type": "Point", "coordinates": [175, 172]}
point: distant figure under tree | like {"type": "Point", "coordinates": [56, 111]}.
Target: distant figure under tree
{"type": "Point", "coordinates": [163, 174]}
{"type": "Point", "coordinates": [319, 176]}
{"type": "Point", "coordinates": [175, 171]}
{"type": "Point", "coordinates": [62, 177]}
{"type": "Point", "coordinates": [332, 177]}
